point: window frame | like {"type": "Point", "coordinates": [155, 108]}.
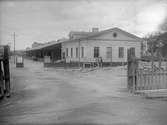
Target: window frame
{"type": "Point", "coordinates": [121, 52]}
{"type": "Point", "coordinates": [133, 51]}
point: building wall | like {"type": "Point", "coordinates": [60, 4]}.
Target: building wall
{"type": "Point", "coordinates": [102, 44]}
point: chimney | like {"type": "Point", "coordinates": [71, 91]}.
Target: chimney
{"type": "Point", "coordinates": [95, 29]}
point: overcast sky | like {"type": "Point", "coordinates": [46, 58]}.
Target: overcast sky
{"type": "Point", "coordinates": [44, 21]}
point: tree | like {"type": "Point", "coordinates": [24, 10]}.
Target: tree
{"type": "Point", "coordinates": [163, 38]}
{"type": "Point", "coordinates": [152, 40]}
{"type": "Point", "coordinates": [155, 39]}
{"type": "Point", "coordinates": [163, 26]}
{"type": "Point", "coordinates": [157, 46]}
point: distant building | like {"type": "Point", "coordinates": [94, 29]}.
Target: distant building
{"type": "Point", "coordinates": [62, 40]}
{"type": "Point", "coordinates": [28, 48]}
{"type": "Point", "coordinates": [36, 44]}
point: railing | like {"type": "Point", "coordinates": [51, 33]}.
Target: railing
{"type": "Point", "coordinates": [149, 79]}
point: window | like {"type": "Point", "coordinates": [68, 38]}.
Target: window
{"type": "Point", "coordinates": [109, 52]}
{"type": "Point", "coordinates": [121, 52]}
{"type": "Point", "coordinates": [66, 52]}
{"type": "Point", "coordinates": [71, 52]}
{"type": "Point", "coordinates": [133, 51]}
{"type": "Point", "coordinates": [76, 52]}
{"type": "Point", "coordinates": [82, 52]}
{"type": "Point", "coordinates": [96, 52]}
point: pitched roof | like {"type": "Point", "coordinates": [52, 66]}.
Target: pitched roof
{"type": "Point", "coordinates": [43, 46]}
{"type": "Point", "coordinates": [87, 35]}
{"type": "Point", "coordinates": [91, 35]}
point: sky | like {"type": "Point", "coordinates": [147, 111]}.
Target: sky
{"type": "Point", "coordinates": [47, 20]}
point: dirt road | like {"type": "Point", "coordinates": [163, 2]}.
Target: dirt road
{"type": "Point", "coordinates": [52, 96]}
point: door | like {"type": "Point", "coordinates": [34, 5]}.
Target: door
{"type": "Point", "coordinates": [109, 53]}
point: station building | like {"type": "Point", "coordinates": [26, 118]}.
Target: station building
{"type": "Point", "coordinates": [110, 45]}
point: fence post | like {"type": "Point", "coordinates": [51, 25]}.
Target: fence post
{"type": "Point", "coordinates": [166, 72]}
{"type": "Point", "coordinates": [166, 63]}
{"type": "Point", "coordinates": [1, 81]}
{"type": "Point", "coordinates": [6, 70]}
{"type": "Point", "coordinates": [133, 75]}
{"type": "Point", "coordinates": [132, 71]}
{"type": "Point", "coordinates": [129, 70]}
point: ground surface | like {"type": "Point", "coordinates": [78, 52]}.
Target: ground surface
{"type": "Point", "coordinates": [52, 96]}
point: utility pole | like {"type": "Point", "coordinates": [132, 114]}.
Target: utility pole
{"type": "Point", "coordinates": [14, 37]}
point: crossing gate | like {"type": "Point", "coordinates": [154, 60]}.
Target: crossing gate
{"type": "Point", "coordinates": [144, 78]}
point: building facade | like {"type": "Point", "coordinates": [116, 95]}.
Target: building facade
{"type": "Point", "coordinates": [110, 45]}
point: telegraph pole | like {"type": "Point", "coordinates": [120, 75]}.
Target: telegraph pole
{"type": "Point", "coordinates": [14, 37]}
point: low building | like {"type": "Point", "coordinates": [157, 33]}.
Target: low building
{"type": "Point", "coordinates": [51, 49]}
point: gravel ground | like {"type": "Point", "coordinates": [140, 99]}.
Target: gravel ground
{"type": "Point", "coordinates": [70, 96]}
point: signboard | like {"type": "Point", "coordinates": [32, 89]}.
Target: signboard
{"type": "Point", "coordinates": [19, 59]}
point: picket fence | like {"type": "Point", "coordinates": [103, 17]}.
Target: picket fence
{"type": "Point", "coordinates": [149, 79]}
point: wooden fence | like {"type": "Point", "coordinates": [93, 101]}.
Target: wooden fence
{"type": "Point", "coordinates": [145, 78]}
{"type": "Point", "coordinates": [148, 79]}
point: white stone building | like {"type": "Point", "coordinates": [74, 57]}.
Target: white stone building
{"type": "Point", "coordinates": [111, 45]}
